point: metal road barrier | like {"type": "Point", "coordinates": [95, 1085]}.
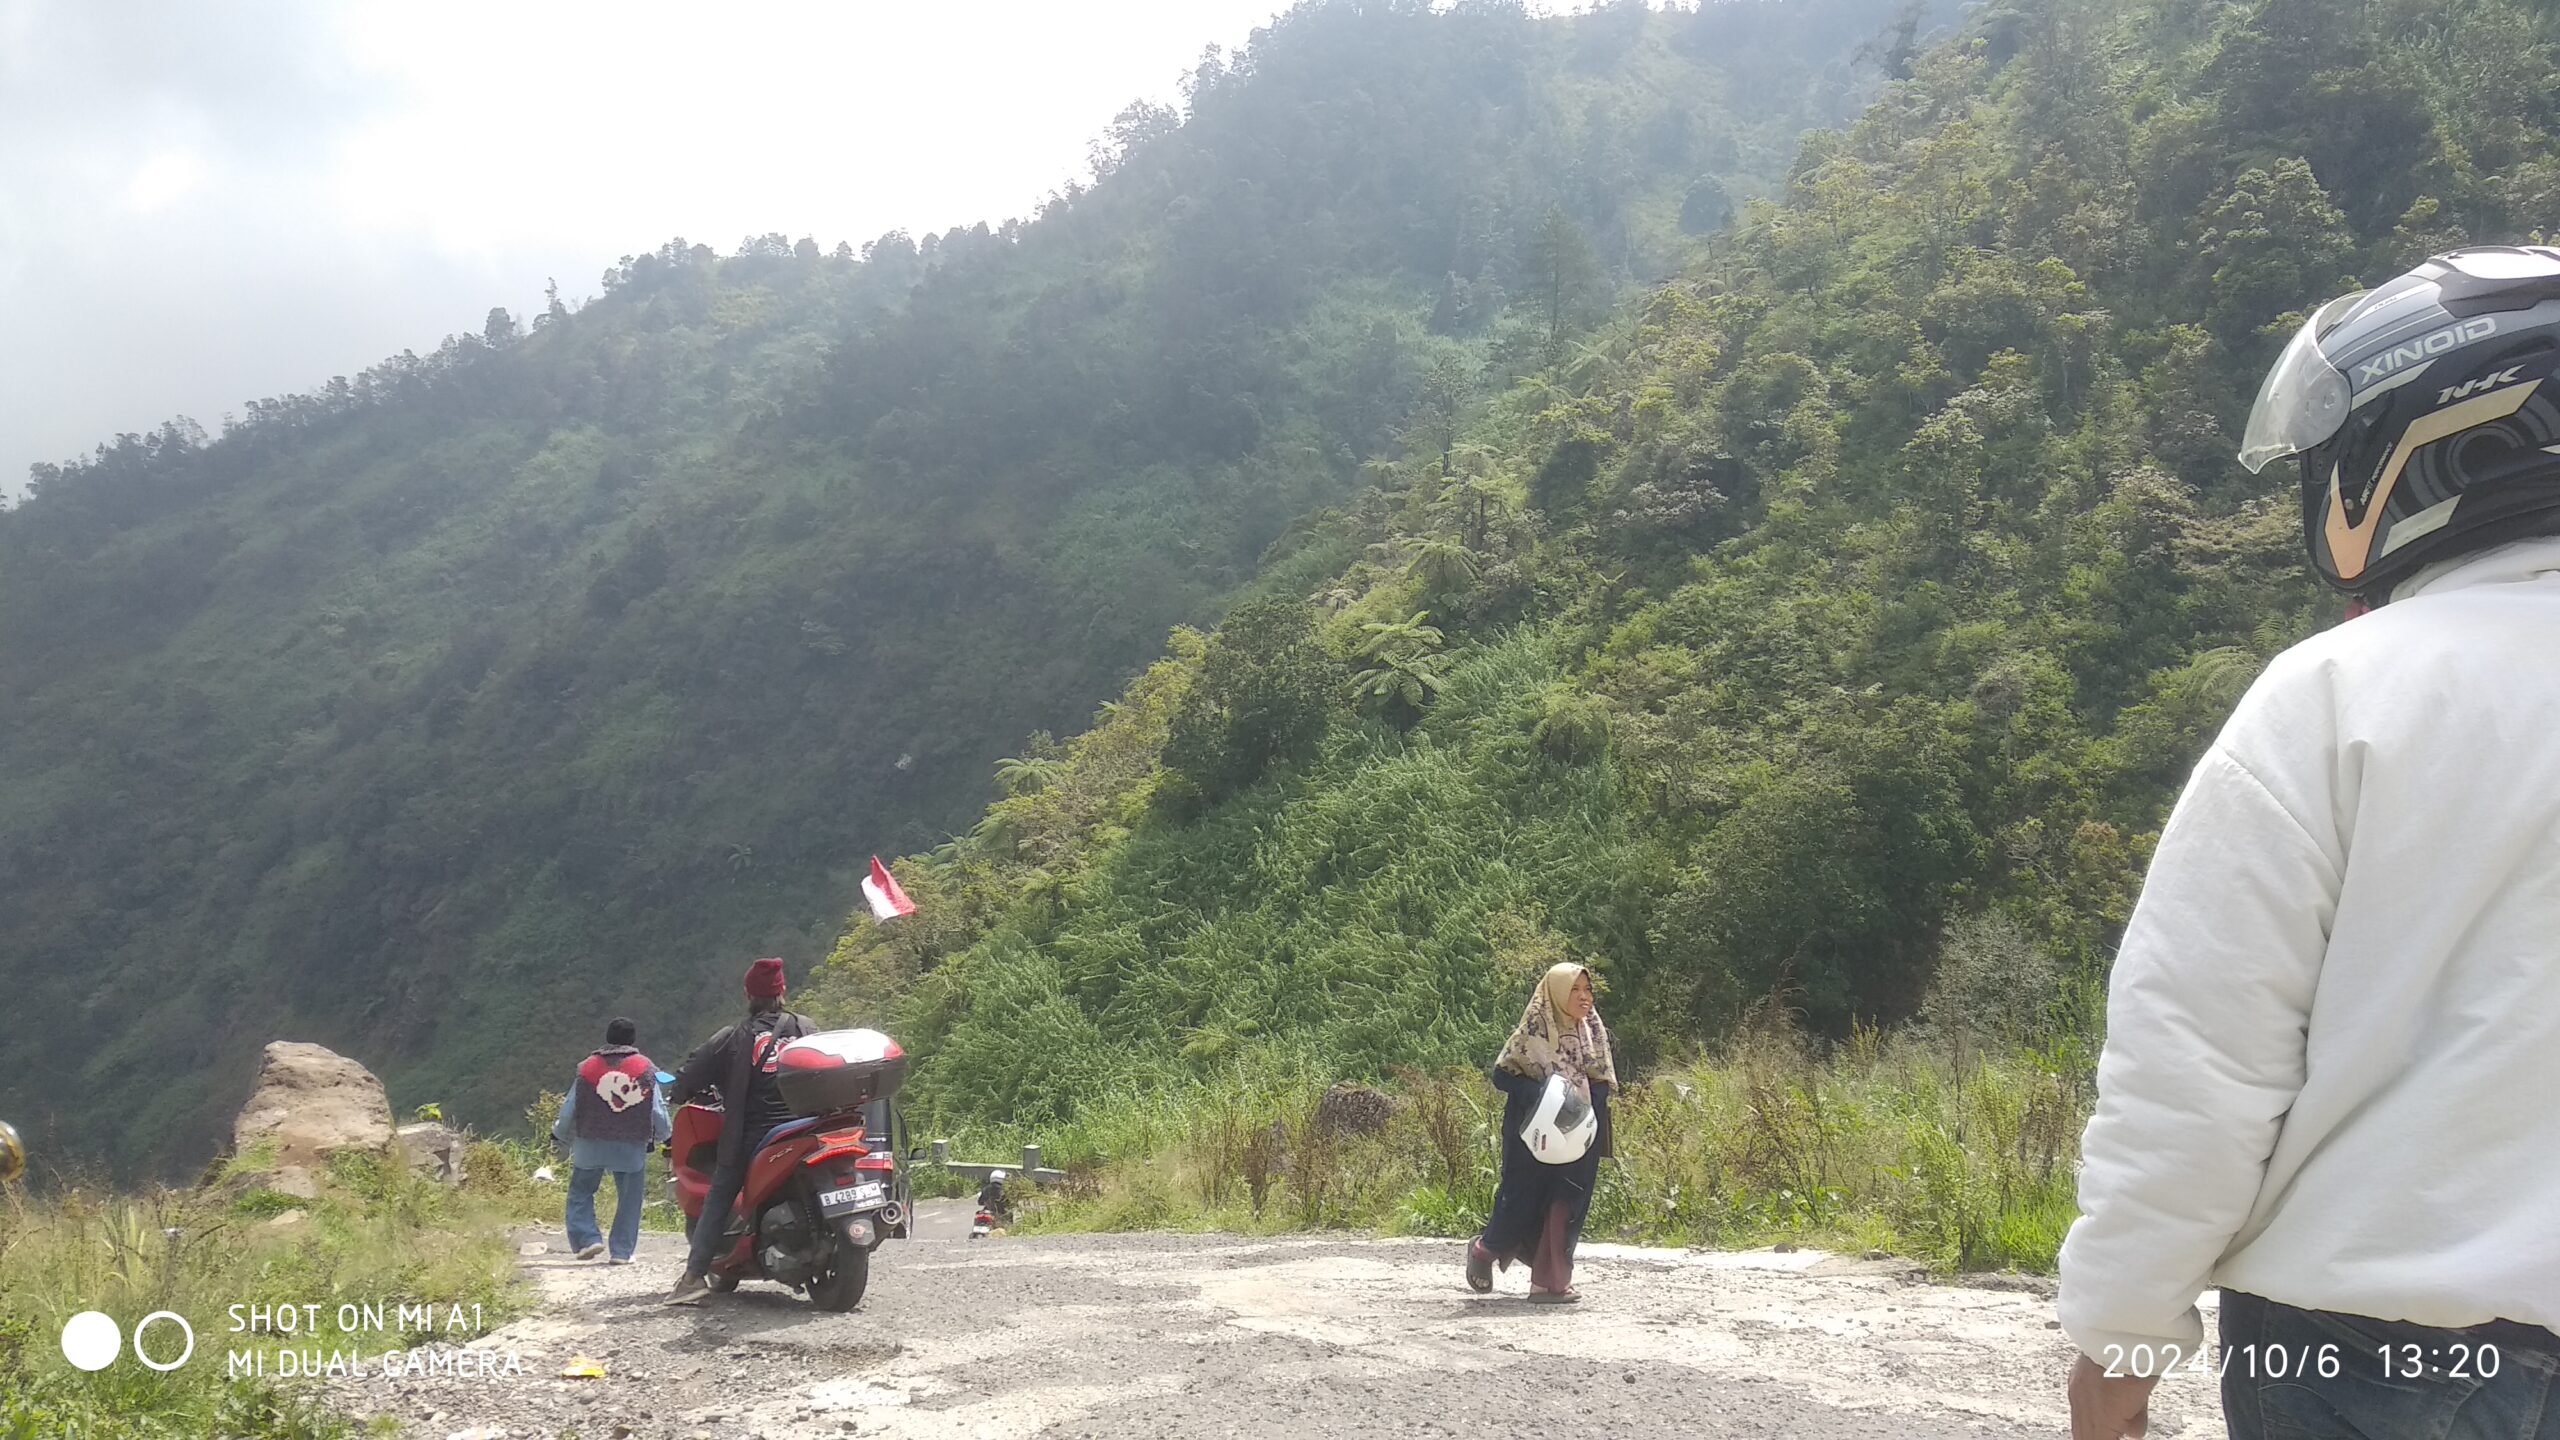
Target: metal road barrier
{"type": "Point", "coordinates": [1030, 1165]}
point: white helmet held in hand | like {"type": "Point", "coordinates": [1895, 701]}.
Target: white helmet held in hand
{"type": "Point", "coordinates": [1561, 1128]}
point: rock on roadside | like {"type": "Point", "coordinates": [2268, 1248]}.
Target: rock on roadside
{"type": "Point", "coordinates": [309, 1104]}
{"type": "Point", "coordinates": [1349, 1109]}
{"type": "Point", "coordinates": [434, 1149]}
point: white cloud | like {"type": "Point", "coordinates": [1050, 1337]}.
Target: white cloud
{"type": "Point", "coordinates": [204, 204]}
{"type": "Point", "coordinates": [166, 178]}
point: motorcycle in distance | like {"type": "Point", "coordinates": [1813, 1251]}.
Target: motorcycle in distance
{"type": "Point", "coordinates": [990, 1206]}
{"type": "Point", "coordinates": [824, 1190]}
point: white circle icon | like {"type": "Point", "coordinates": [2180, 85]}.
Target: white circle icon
{"type": "Point", "coordinates": [90, 1341]}
{"type": "Point", "coordinates": [183, 1328]}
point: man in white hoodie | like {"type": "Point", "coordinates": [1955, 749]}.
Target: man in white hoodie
{"type": "Point", "coordinates": [2331, 1083]}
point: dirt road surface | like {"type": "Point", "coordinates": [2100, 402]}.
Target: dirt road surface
{"type": "Point", "coordinates": [1135, 1336]}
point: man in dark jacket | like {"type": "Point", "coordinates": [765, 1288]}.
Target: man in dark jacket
{"type": "Point", "coordinates": [740, 1062]}
{"type": "Point", "coordinates": [613, 1113]}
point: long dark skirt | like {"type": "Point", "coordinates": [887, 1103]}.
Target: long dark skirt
{"type": "Point", "coordinates": [1538, 1211]}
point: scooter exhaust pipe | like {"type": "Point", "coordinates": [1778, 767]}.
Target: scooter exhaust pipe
{"type": "Point", "coordinates": [893, 1214]}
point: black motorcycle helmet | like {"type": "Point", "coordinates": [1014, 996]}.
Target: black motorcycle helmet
{"type": "Point", "coordinates": [2423, 415]}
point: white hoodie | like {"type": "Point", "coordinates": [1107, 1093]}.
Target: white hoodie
{"type": "Point", "coordinates": [2332, 1070]}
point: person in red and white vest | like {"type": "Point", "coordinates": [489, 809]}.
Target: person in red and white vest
{"type": "Point", "coordinates": [614, 1112]}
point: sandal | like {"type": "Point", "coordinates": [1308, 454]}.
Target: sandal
{"type": "Point", "coordinates": [1555, 1297]}
{"type": "Point", "coordinates": [1479, 1268]}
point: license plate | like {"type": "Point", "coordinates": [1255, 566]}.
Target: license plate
{"type": "Point", "coordinates": [851, 1197]}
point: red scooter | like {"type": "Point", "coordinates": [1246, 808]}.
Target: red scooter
{"type": "Point", "coordinates": [824, 1190]}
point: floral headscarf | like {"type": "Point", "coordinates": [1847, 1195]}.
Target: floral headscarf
{"type": "Point", "coordinates": [1546, 1043]}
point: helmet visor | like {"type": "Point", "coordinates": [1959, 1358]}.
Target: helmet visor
{"type": "Point", "coordinates": [2304, 401]}
{"type": "Point", "coordinates": [1575, 1109]}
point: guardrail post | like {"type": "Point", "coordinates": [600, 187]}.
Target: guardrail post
{"type": "Point", "coordinates": [941, 1152]}
{"type": "Point", "coordinates": [1030, 1159]}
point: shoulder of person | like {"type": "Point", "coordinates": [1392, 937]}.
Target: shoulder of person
{"type": "Point", "coordinates": [710, 1049]}
{"type": "Point", "coordinates": [2362, 662]}
{"type": "Point", "coordinates": [2289, 729]}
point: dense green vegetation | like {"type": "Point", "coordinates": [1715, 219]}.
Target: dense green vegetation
{"type": "Point", "coordinates": [1818, 644]}
{"type": "Point", "coordinates": [443, 711]}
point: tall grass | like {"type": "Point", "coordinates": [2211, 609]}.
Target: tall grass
{"type": "Point", "coordinates": [1956, 1156]}
{"type": "Point", "coordinates": [376, 1234]}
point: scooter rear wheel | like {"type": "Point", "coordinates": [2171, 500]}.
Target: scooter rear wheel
{"type": "Point", "coordinates": [842, 1288]}
{"type": "Point", "coordinates": [723, 1283]}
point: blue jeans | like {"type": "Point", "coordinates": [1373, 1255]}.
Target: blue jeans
{"type": "Point", "coordinates": [627, 1189]}
{"type": "Point", "coordinates": [2489, 1382]}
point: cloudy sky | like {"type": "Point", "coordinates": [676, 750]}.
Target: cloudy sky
{"type": "Point", "coordinates": [207, 201]}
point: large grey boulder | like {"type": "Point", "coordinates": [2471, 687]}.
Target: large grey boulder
{"type": "Point", "coordinates": [435, 1149]}
{"type": "Point", "coordinates": [309, 1104]}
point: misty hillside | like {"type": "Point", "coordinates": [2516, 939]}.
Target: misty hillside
{"type": "Point", "coordinates": [1823, 640]}
{"type": "Point", "coordinates": [440, 711]}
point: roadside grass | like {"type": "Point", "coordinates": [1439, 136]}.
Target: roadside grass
{"type": "Point", "coordinates": [1957, 1157]}
{"type": "Point", "coordinates": [376, 1235]}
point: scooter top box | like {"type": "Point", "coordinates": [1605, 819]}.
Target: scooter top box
{"type": "Point", "coordinates": [839, 1070]}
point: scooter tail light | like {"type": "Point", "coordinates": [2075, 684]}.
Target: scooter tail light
{"type": "Point", "coordinates": [876, 1162]}
{"type": "Point", "coordinates": [837, 1144]}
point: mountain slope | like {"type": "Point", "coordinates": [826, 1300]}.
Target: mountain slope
{"type": "Point", "coordinates": [440, 712]}
{"type": "Point", "coordinates": [1843, 616]}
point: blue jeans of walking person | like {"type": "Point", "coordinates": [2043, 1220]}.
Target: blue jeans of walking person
{"type": "Point", "coordinates": [2291, 1374]}
{"type": "Point", "coordinates": [629, 1186]}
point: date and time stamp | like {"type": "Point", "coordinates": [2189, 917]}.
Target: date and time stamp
{"type": "Point", "coordinates": [2453, 1360]}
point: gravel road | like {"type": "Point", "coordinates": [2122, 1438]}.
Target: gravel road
{"type": "Point", "coordinates": [1133, 1336]}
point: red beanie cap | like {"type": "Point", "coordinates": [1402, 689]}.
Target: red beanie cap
{"type": "Point", "coordinates": [764, 980]}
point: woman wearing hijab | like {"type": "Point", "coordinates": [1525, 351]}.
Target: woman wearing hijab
{"type": "Point", "coordinates": [1539, 1208]}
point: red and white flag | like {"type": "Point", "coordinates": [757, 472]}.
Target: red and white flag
{"type": "Point", "coordinates": [888, 902]}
